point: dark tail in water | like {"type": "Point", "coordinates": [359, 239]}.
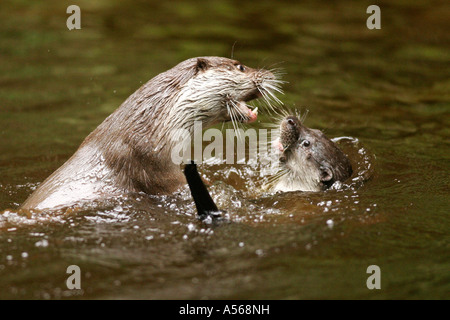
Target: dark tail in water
{"type": "Point", "coordinates": [203, 201]}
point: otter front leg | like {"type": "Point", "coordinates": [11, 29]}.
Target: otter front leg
{"type": "Point", "coordinates": [206, 207]}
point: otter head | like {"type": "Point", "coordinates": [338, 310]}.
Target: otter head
{"type": "Point", "coordinates": [311, 161]}
{"type": "Point", "coordinates": [220, 88]}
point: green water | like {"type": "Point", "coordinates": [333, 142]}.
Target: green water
{"type": "Point", "coordinates": [388, 88]}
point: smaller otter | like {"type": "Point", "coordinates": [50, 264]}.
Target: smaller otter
{"type": "Point", "coordinates": [309, 160]}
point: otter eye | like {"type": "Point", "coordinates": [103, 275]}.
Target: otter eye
{"type": "Point", "coordinates": [306, 143]}
{"type": "Point", "coordinates": [240, 67]}
{"type": "Point", "coordinates": [291, 122]}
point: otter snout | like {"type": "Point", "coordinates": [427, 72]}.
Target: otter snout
{"type": "Point", "coordinates": [290, 132]}
{"type": "Point", "coordinates": [228, 86]}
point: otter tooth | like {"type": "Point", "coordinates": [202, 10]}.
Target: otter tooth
{"type": "Point", "coordinates": [255, 111]}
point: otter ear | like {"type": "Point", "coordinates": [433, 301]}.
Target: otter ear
{"type": "Point", "coordinates": [325, 174]}
{"type": "Point", "coordinates": [202, 64]}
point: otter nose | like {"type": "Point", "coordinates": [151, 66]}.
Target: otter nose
{"type": "Point", "coordinates": [291, 121]}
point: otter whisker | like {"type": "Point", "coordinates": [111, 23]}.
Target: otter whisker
{"type": "Point", "coordinates": [267, 88]}
{"type": "Point", "coordinates": [272, 180]}
{"type": "Point", "coordinates": [238, 115]}
{"type": "Point", "coordinates": [233, 119]}
{"type": "Point", "coordinates": [265, 97]}
{"type": "Point", "coordinates": [237, 110]}
{"type": "Point", "coordinates": [269, 102]}
{"type": "Point", "coordinates": [273, 66]}
{"type": "Point", "coordinates": [278, 74]}
{"type": "Point", "coordinates": [270, 88]}
{"type": "Point", "coordinates": [302, 117]}
{"type": "Point", "coordinates": [276, 83]}
{"type": "Point", "coordinates": [281, 172]}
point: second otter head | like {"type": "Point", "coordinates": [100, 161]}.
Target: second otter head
{"type": "Point", "coordinates": [311, 161]}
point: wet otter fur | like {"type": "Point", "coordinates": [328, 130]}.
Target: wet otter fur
{"type": "Point", "coordinates": [130, 151]}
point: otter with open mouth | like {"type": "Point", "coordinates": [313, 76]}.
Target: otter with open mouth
{"type": "Point", "coordinates": [130, 150]}
{"type": "Point", "coordinates": [309, 161]}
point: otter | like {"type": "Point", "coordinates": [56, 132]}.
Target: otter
{"type": "Point", "coordinates": [130, 151]}
{"type": "Point", "coordinates": [309, 161]}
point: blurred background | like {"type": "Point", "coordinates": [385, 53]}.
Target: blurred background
{"type": "Point", "coordinates": [388, 88]}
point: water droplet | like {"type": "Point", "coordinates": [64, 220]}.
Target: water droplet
{"type": "Point", "coordinates": [330, 223]}
{"type": "Point", "coordinates": [43, 243]}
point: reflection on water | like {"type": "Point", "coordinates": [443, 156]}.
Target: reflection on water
{"type": "Point", "coordinates": [388, 88]}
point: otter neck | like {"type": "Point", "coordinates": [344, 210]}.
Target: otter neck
{"type": "Point", "coordinates": [137, 139]}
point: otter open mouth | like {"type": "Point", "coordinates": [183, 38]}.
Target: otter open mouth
{"type": "Point", "coordinates": [246, 115]}
{"type": "Point", "coordinates": [241, 112]}
{"type": "Point", "coordinates": [252, 114]}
